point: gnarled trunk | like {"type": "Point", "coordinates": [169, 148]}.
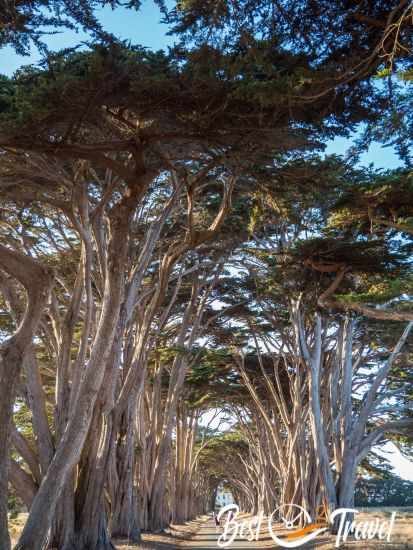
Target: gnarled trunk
{"type": "Point", "coordinates": [124, 514]}
{"type": "Point", "coordinates": [37, 281]}
{"type": "Point", "coordinates": [71, 444]}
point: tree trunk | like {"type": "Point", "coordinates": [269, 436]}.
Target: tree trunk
{"type": "Point", "coordinates": [124, 517]}
{"type": "Point", "coordinates": [8, 386]}
{"type": "Point", "coordinates": [37, 281]}
{"type": "Point", "coordinates": [63, 526]}
{"type": "Point", "coordinates": [91, 514]}
{"type": "Point", "coordinates": [96, 536]}
{"type": "Point", "coordinates": [70, 446]}
{"type": "Point", "coordinates": [318, 431]}
{"type": "Point", "coordinates": [347, 482]}
{"type": "Point", "coordinates": [37, 404]}
{"type": "Point", "coordinates": [23, 483]}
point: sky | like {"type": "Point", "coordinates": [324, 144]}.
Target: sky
{"type": "Point", "coordinates": [145, 28]}
{"type": "Point", "coordinates": [141, 27]}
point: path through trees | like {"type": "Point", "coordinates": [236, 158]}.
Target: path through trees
{"type": "Point", "coordinates": [192, 294]}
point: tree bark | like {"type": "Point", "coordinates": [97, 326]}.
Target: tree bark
{"type": "Point", "coordinates": [23, 483]}
{"type": "Point", "coordinates": [124, 515]}
{"type": "Point", "coordinates": [37, 281]}
{"type": "Point", "coordinates": [70, 447]}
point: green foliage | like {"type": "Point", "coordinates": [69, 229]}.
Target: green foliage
{"type": "Point", "coordinates": [378, 201]}
{"type": "Point", "coordinates": [14, 505]}
{"type": "Point", "coordinates": [27, 22]}
{"type": "Point", "coordinates": [212, 380]}
{"type": "Point", "coordinates": [23, 419]}
{"type": "Point", "coordinates": [216, 458]}
{"type": "Point", "coordinates": [390, 491]}
{"type": "Point", "coordinates": [382, 289]}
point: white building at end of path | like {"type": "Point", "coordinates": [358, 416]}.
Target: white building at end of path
{"type": "Point", "coordinates": [223, 498]}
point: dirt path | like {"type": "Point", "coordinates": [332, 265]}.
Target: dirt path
{"type": "Point", "coordinates": [206, 538]}
{"type": "Point", "coordinates": [201, 534]}
{"type": "Point", "coordinates": [207, 535]}
{"type": "Point", "coordinates": [197, 535]}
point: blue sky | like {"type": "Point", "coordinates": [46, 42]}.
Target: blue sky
{"type": "Point", "coordinates": [142, 28]}
{"type": "Point", "coordinates": [145, 28]}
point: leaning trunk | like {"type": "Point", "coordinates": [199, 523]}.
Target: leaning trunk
{"type": "Point", "coordinates": [70, 447]}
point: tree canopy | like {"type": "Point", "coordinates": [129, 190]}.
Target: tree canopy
{"type": "Point", "coordinates": [192, 293]}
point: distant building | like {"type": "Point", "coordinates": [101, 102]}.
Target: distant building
{"type": "Point", "coordinates": [223, 498]}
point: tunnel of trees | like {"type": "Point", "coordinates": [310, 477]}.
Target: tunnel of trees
{"type": "Point", "coordinates": [191, 291]}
